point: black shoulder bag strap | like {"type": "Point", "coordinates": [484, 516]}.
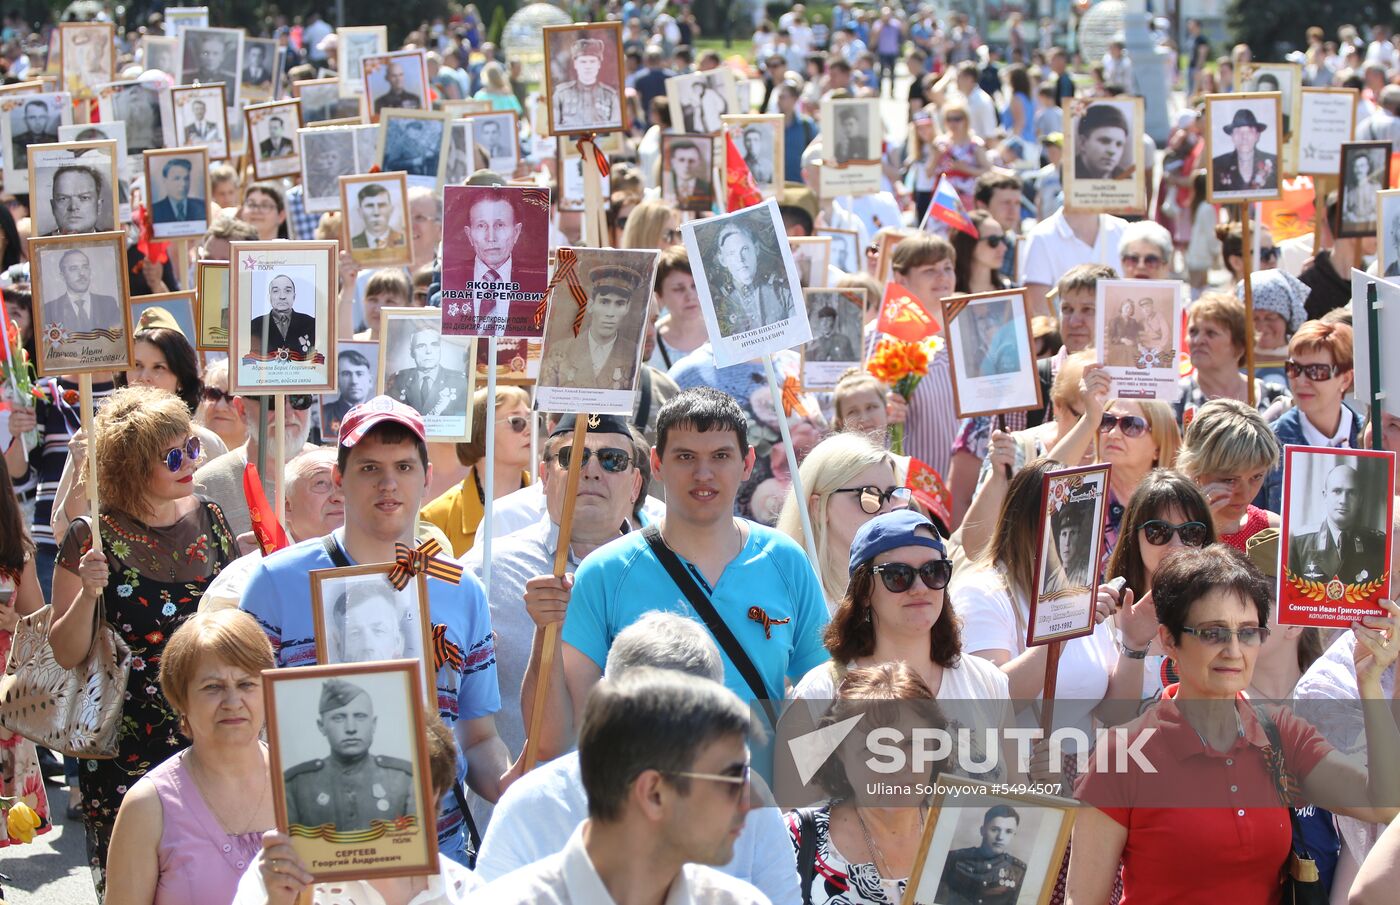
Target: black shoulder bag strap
{"type": "Point", "coordinates": [721, 631]}
{"type": "Point", "coordinates": [1302, 882]}
{"type": "Point", "coordinates": [644, 400]}
{"type": "Point", "coordinates": [807, 852]}
{"type": "Point", "coordinates": [341, 561]}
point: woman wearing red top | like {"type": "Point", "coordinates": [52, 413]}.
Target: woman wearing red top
{"type": "Point", "coordinates": [1210, 816]}
{"type": "Point", "coordinates": [1229, 451]}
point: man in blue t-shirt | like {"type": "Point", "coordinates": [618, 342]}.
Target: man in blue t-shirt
{"type": "Point", "coordinates": [382, 470]}
{"type": "Point", "coordinates": [758, 580]}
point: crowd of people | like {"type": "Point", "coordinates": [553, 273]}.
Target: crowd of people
{"type": "Point", "coordinates": [689, 589]}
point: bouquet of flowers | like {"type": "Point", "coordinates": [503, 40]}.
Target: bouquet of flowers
{"type": "Point", "coordinates": [16, 371]}
{"type": "Point", "coordinates": [900, 365]}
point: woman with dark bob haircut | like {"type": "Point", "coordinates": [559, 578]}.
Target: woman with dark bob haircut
{"type": "Point", "coordinates": [1223, 769]}
{"type": "Point", "coordinates": [164, 359]}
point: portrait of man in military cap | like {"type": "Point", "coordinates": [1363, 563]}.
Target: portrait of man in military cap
{"type": "Point", "coordinates": [360, 616]}
{"type": "Point", "coordinates": [584, 78]}
{"type": "Point", "coordinates": [987, 872]}
{"type": "Point", "coordinates": [1347, 542]}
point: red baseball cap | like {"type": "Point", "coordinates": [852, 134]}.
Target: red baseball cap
{"type": "Point", "coordinates": [358, 421]}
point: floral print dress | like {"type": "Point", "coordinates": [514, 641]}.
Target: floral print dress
{"type": "Point", "coordinates": [20, 776]}
{"type": "Point", "coordinates": [157, 578]}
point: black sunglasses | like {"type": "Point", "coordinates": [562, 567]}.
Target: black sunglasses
{"type": "Point", "coordinates": [1268, 253]}
{"type": "Point", "coordinates": [1149, 260]}
{"type": "Point", "coordinates": [873, 499]}
{"type": "Point", "coordinates": [610, 457]}
{"type": "Point", "coordinates": [177, 456]}
{"type": "Point", "coordinates": [214, 395]}
{"type": "Point", "coordinates": [1158, 532]}
{"type": "Point", "coordinates": [994, 241]}
{"type": "Point", "coordinates": [899, 577]}
{"type": "Point", "coordinates": [1317, 372]}
{"type": "Point", "coordinates": [1131, 425]}
{"type": "Point", "coordinates": [300, 402]}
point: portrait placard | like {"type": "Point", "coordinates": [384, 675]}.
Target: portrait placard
{"type": "Point", "coordinates": [426, 370]}
{"type": "Point", "coordinates": [1388, 319]}
{"type": "Point", "coordinates": [1334, 546]}
{"type": "Point", "coordinates": [846, 253]}
{"type": "Point", "coordinates": [25, 120]}
{"type": "Point", "coordinates": [375, 226]}
{"type": "Point", "coordinates": [138, 104]}
{"type": "Point", "coordinates": [837, 317]}
{"type": "Point", "coordinates": [598, 309]}
{"type": "Point", "coordinates": [201, 118]}
{"type": "Point", "coordinates": [461, 153]}
{"type": "Point", "coordinates": [991, 353]}
{"type": "Point", "coordinates": [353, 44]}
{"type": "Point", "coordinates": [1137, 322]}
{"type": "Point", "coordinates": [179, 305]}
{"type": "Point", "coordinates": [395, 81]}
{"type": "Point", "coordinates": [460, 107]}
{"type": "Point", "coordinates": [812, 254]}
{"type": "Point", "coordinates": [570, 177]}
{"type": "Point", "coordinates": [322, 104]}
{"type": "Point", "coordinates": [759, 139]}
{"type": "Point", "coordinates": [1287, 80]}
{"type": "Point", "coordinates": [1104, 142]}
{"type": "Point", "coordinates": [1070, 545]}
{"type": "Point", "coordinates": [357, 371]}
{"type": "Point", "coordinates": [1365, 172]}
{"type": "Point", "coordinates": [114, 132]}
{"type": "Point", "coordinates": [852, 132]}
{"type": "Point", "coordinates": [272, 128]}
{"type": "Point", "coordinates": [496, 137]}
{"type": "Point", "coordinates": [80, 314]}
{"type": "Point", "coordinates": [178, 18]}
{"type": "Point", "coordinates": [212, 295]}
{"type": "Point", "coordinates": [416, 142]}
{"type": "Point", "coordinates": [280, 296]}
{"type": "Point", "coordinates": [162, 52]}
{"type": "Point", "coordinates": [747, 282]}
{"type": "Point", "coordinates": [1242, 147]}
{"type": "Point", "coordinates": [73, 188]}
{"type": "Point", "coordinates": [260, 75]}
{"type": "Point", "coordinates": [89, 56]}
{"type": "Point", "coordinates": [517, 361]}
{"type": "Point", "coordinates": [212, 55]}
{"type": "Point", "coordinates": [359, 617]}
{"type": "Point", "coordinates": [1388, 235]}
{"type": "Point", "coordinates": [495, 260]}
{"type": "Point", "coordinates": [583, 78]}
{"type": "Point", "coordinates": [177, 184]}
{"type": "Point", "coordinates": [354, 794]}
{"type": "Point", "coordinates": [699, 100]}
{"type": "Point", "coordinates": [687, 167]}
{"type": "Point", "coordinates": [1327, 121]}
{"type": "Point", "coordinates": [1026, 834]}
{"type": "Point", "coordinates": [327, 153]}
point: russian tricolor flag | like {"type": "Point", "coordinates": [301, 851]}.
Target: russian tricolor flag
{"type": "Point", "coordinates": [947, 208]}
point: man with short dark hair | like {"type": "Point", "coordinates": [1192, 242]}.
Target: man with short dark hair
{"type": "Point", "coordinates": [36, 132]}
{"type": "Point", "coordinates": [200, 131]}
{"type": "Point", "coordinates": [688, 168]}
{"type": "Point", "coordinates": [376, 208]}
{"type": "Point", "coordinates": [396, 96]}
{"type": "Point", "coordinates": [276, 144]}
{"type": "Point", "coordinates": [987, 872]}
{"type": "Point", "coordinates": [178, 205]}
{"type": "Point", "coordinates": [77, 202]}
{"type": "Point", "coordinates": [356, 381]}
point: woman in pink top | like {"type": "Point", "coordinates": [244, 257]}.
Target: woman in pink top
{"type": "Point", "coordinates": [190, 827]}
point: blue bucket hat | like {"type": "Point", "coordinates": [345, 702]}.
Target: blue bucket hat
{"type": "Point", "coordinates": [891, 531]}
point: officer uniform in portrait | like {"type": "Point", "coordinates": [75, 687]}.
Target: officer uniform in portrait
{"type": "Point", "coordinates": [1356, 556]}
{"type": "Point", "coordinates": [392, 239]}
{"type": "Point", "coordinates": [973, 877]}
{"type": "Point", "coordinates": [405, 100]}
{"type": "Point", "coordinates": [573, 362]}
{"type": "Point", "coordinates": [577, 105]}
{"type": "Point", "coordinates": [751, 307]}
{"type": "Point", "coordinates": [348, 794]}
{"type": "Point", "coordinates": [430, 392]}
{"type": "Point", "coordinates": [281, 148]}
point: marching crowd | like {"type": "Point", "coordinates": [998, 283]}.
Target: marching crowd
{"type": "Point", "coordinates": [689, 591]}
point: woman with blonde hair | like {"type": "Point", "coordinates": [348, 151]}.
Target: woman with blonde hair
{"type": "Point", "coordinates": [495, 87]}
{"type": "Point", "coordinates": [1229, 452]}
{"type": "Point", "coordinates": [652, 224]}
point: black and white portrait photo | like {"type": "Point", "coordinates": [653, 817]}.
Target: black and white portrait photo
{"type": "Point", "coordinates": [200, 118]}
{"type": "Point", "coordinates": [699, 100]}
{"type": "Point", "coordinates": [272, 130]}
{"type": "Point", "coordinates": [687, 166]}
{"type": "Point", "coordinates": [114, 132]}
{"type": "Point", "coordinates": [595, 369]}
{"type": "Point", "coordinates": [321, 102]}
{"type": "Point", "coordinates": [73, 188]}
{"type": "Point", "coordinates": [427, 371]}
{"type": "Point", "coordinates": [88, 57]}
{"type": "Point", "coordinates": [138, 105]}
{"type": "Point", "coordinates": [836, 316]}
{"type": "Point", "coordinates": [258, 76]}
{"type": "Point", "coordinates": [179, 18]}
{"type": "Point", "coordinates": [1365, 173]}
{"type": "Point", "coordinates": [375, 211]}
{"type": "Point", "coordinates": [354, 43]}
{"type": "Point", "coordinates": [1071, 537]}
{"type": "Point", "coordinates": [584, 77]}
{"type": "Point", "coordinates": [327, 153]}
{"type": "Point", "coordinates": [80, 290]}
{"type": "Point", "coordinates": [759, 139]}
{"type": "Point", "coordinates": [1285, 78]}
{"type": "Point", "coordinates": [177, 181]}
{"type": "Point", "coordinates": [497, 141]}
{"type": "Point", "coordinates": [396, 81]}
{"type": "Point", "coordinates": [460, 151]}
{"type": "Point", "coordinates": [1388, 228]}
{"type": "Point", "coordinates": [1242, 131]}
{"type": "Point", "coordinates": [495, 259]}
{"type": "Point", "coordinates": [361, 618]}
{"type": "Point", "coordinates": [162, 53]}
{"type": "Point", "coordinates": [415, 142]}
{"type": "Point", "coordinates": [29, 119]}
{"type": "Point", "coordinates": [283, 336]}
{"type": "Point", "coordinates": [845, 248]}
{"type": "Point", "coordinates": [1104, 139]}
{"type": "Point", "coordinates": [747, 280]}
{"type": "Point", "coordinates": [356, 368]}
{"type": "Point", "coordinates": [853, 133]}
{"type": "Point", "coordinates": [209, 55]}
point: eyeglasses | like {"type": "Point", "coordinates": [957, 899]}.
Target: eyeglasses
{"type": "Point", "coordinates": [1149, 260]}
{"type": "Point", "coordinates": [177, 456]}
{"type": "Point", "coordinates": [873, 499]}
{"type": "Point", "coordinates": [1268, 253]}
{"type": "Point", "coordinates": [1317, 372]}
{"type": "Point", "coordinates": [899, 577]}
{"type": "Point", "coordinates": [611, 458]}
{"type": "Point", "coordinates": [517, 423]}
{"type": "Point", "coordinates": [300, 402]}
{"type": "Point", "coordinates": [955, 119]}
{"type": "Point", "coordinates": [1130, 425]}
{"type": "Point", "coordinates": [1159, 532]}
{"type": "Point", "coordinates": [214, 395]}
{"type": "Point", "coordinates": [1217, 636]}
{"type": "Point", "coordinates": [264, 206]}
{"type": "Point", "coordinates": [994, 241]}
{"type": "Point", "coordinates": [739, 781]}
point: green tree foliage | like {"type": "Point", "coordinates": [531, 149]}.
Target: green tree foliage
{"type": "Point", "coordinates": [1273, 29]}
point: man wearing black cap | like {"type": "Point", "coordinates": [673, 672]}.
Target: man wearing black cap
{"type": "Point", "coordinates": [604, 354]}
{"type": "Point", "coordinates": [1246, 168]}
{"type": "Point", "coordinates": [350, 786]}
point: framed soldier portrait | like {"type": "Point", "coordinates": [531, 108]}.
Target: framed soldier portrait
{"type": "Point", "coordinates": [327, 153]}
{"type": "Point", "coordinates": [73, 188]}
{"type": "Point", "coordinates": [113, 132]}
{"type": "Point", "coordinates": [699, 100]}
{"type": "Point", "coordinates": [426, 370]}
{"type": "Point", "coordinates": [583, 78]}
{"type": "Point", "coordinates": [282, 327]}
{"type": "Point", "coordinates": [360, 617]}
{"type": "Point", "coordinates": [375, 222]}
{"type": "Point", "coordinates": [395, 81]}
{"type": "Point", "coordinates": [813, 256]}
{"type": "Point", "coordinates": [179, 18]}
{"type": "Point", "coordinates": [1365, 173]}
{"type": "Point", "coordinates": [213, 55]}
{"type": "Point", "coordinates": [1103, 139]}
{"type": "Point", "coordinates": [851, 135]}
{"type": "Point", "coordinates": [1069, 545]}
{"type": "Point", "coordinates": [177, 186]}
{"type": "Point", "coordinates": [595, 329]}
{"type": "Point", "coordinates": [351, 784]}
{"type": "Point", "coordinates": [259, 78]}
{"type": "Point", "coordinates": [322, 104]}
{"type": "Point", "coordinates": [759, 139]}
{"type": "Point", "coordinates": [1242, 147]}
{"type": "Point", "coordinates": [200, 118]}
{"type": "Point", "coordinates": [179, 305]}
{"type": "Point", "coordinates": [81, 322]}
{"type": "Point", "coordinates": [495, 260]}
{"type": "Point", "coordinates": [357, 370]}
{"type": "Point", "coordinates": [353, 44]}
{"type": "Point", "coordinates": [991, 354]}
{"type": "Point", "coordinates": [271, 131]}
{"type": "Point", "coordinates": [496, 137]}
{"type": "Point", "coordinates": [89, 54]}
{"type": "Point", "coordinates": [1334, 545]}
{"type": "Point", "coordinates": [138, 104]}
{"type": "Point", "coordinates": [1287, 80]}
{"type": "Point", "coordinates": [846, 254]}
{"type": "Point", "coordinates": [416, 142]}
{"type": "Point", "coordinates": [161, 52]}
{"type": "Point", "coordinates": [1388, 235]}
{"type": "Point", "coordinates": [461, 153]}
{"type": "Point", "coordinates": [687, 171]}
{"type": "Point", "coordinates": [26, 120]}
{"type": "Point", "coordinates": [211, 305]}
{"type": "Point", "coordinates": [837, 317]}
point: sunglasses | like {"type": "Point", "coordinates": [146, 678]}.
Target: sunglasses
{"type": "Point", "coordinates": [955, 119]}
{"type": "Point", "coordinates": [994, 241]}
{"type": "Point", "coordinates": [1130, 425]}
{"type": "Point", "coordinates": [1149, 260]}
{"type": "Point", "coordinates": [1317, 372]}
{"type": "Point", "coordinates": [1158, 533]}
{"type": "Point", "coordinates": [300, 402]}
{"type": "Point", "coordinates": [214, 395]}
{"type": "Point", "coordinates": [177, 456]}
{"type": "Point", "coordinates": [612, 459]}
{"type": "Point", "coordinates": [517, 423]}
{"type": "Point", "coordinates": [873, 499]}
{"type": "Point", "coordinates": [1268, 253]}
{"type": "Point", "coordinates": [899, 577]}
{"type": "Point", "coordinates": [1215, 636]}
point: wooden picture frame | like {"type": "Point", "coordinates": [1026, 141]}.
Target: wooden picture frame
{"type": "Point", "coordinates": [79, 80]}
{"type": "Point", "coordinates": [230, 74]}
{"type": "Point", "coordinates": [146, 132]}
{"type": "Point", "coordinates": [884, 257]}
{"type": "Point", "coordinates": [981, 383]}
{"type": "Point", "coordinates": [1094, 184]}
{"type": "Point", "coordinates": [323, 609]}
{"type": "Point", "coordinates": [403, 159]}
{"type": "Point", "coordinates": [155, 163]}
{"type": "Point", "coordinates": [560, 75]}
{"type": "Point", "coordinates": [337, 112]}
{"type": "Point", "coordinates": [212, 305]}
{"type": "Point", "coordinates": [1357, 198]}
{"type": "Point", "coordinates": [816, 249]}
{"type": "Point", "coordinates": [1224, 183]}
{"type": "Point", "coordinates": [349, 69]}
{"type": "Point", "coordinates": [696, 199]}
{"type": "Point", "coordinates": [371, 65]}
{"type": "Point", "coordinates": [483, 156]}
{"type": "Point", "coordinates": [460, 107]}
{"type": "Point", "coordinates": [179, 305]}
{"type": "Point", "coordinates": [256, 93]}
{"type": "Point", "coordinates": [399, 247]}
{"type": "Point", "coordinates": [699, 116]}
{"type": "Point", "coordinates": [103, 343]}
{"type": "Point", "coordinates": [399, 845]}
{"type": "Point", "coordinates": [447, 411]}
{"type": "Point", "coordinates": [1288, 79]}
{"type": "Point", "coordinates": [1327, 121]}
{"type": "Point", "coordinates": [45, 164]}
{"type": "Point", "coordinates": [304, 363]}
{"type": "Point", "coordinates": [736, 127]}
{"type": "Point", "coordinates": [1063, 596]}
{"type": "Point", "coordinates": [182, 95]}
{"type": "Point", "coordinates": [847, 255]}
{"type": "Point", "coordinates": [271, 161]}
{"type": "Point", "coordinates": [16, 107]}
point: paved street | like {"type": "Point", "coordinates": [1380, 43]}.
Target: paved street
{"type": "Point", "coordinates": [52, 870]}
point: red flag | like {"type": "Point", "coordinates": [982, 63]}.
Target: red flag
{"type": "Point", "coordinates": [930, 491]}
{"type": "Point", "coordinates": [271, 536]}
{"type": "Point", "coordinates": [741, 190]}
{"type": "Point", "coordinates": [903, 316]}
{"type": "Point", "coordinates": [153, 251]}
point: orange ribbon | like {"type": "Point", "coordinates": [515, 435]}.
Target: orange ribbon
{"type": "Point", "coordinates": [792, 398]}
{"type": "Point", "coordinates": [757, 614]}
{"type": "Point", "coordinates": [409, 562]}
{"type": "Point", "coordinates": [599, 157]}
